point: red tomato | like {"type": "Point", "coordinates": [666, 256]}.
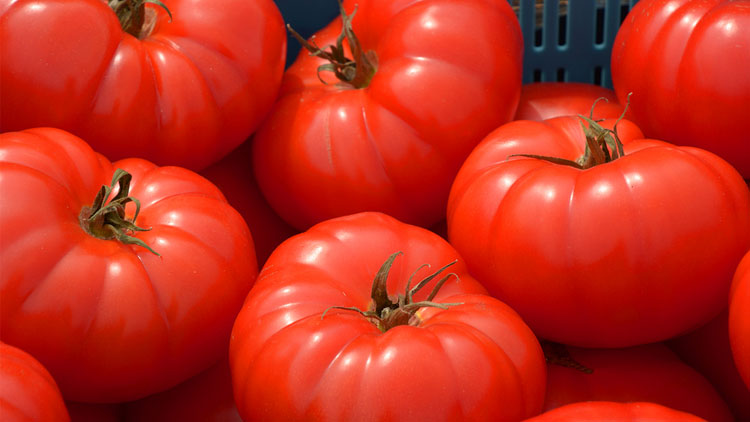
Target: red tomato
{"type": "Point", "coordinates": [650, 373]}
{"type": "Point", "coordinates": [739, 319]}
{"type": "Point", "coordinates": [600, 411]}
{"type": "Point", "coordinates": [184, 93]}
{"type": "Point", "coordinates": [295, 356]}
{"type": "Point", "coordinates": [27, 390]}
{"type": "Point", "coordinates": [686, 63]}
{"type": "Point", "coordinates": [448, 72]}
{"type": "Point", "coordinates": [234, 176]}
{"type": "Point", "coordinates": [206, 397]}
{"type": "Point", "coordinates": [632, 251]}
{"type": "Point", "coordinates": [94, 412]}
{"type": "Point", "coordinates": [707, 350]}
{"type": "Point", "coordinates": [113, 321]}
{"type": "Point", "coordinates": [545, 100]}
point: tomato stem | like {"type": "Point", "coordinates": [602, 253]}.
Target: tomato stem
{"type": "Point", "coordinates": [357, 72]}
{"type": "Point", "coordinates": [106, 220]}
{"type": "Point", "coordinates": [558, 354]}
{"type": "Point", "coordinates": [132, 15]}
{"type": "Point", "coordinates": [602, 145]}
{"type": "Point", "coordinates": [384, 312]}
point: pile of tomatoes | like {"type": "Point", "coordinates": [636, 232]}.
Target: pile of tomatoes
{"type": "Point", "coordinates": [393, 228]}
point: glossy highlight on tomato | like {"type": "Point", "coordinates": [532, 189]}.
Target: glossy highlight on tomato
{"type": "Point", "coordinates": [113, 321]}
{"type": "Point", "coordinates": [632, 251]}
{"type": "Point", "coordinates": [686, 63]}
{"type": "Point", "coordinates": [297, 355]}
{"type": "Point", "coordinates": [446, 73]}
{"type": "Point", "coordinates": [184, 92]}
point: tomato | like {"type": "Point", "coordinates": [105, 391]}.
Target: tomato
{"type": "Point", "coordinates": [686, 63]}
{"type": "Point", "coordinates": [296, 354]}
{"type": "Point", "coordinates": [631, 251]}
{"type": "Point", "coordinates": [707, 350]}
{"type": "Point", "coordinates": [446, 72]}
{"type": "Point", "coordinates": [236, 179]}
{"type": "Point", "coordinates": [27, 391]}
{"type": "Point", "coordinates": [598, 411]}
{"type": "Point", "coordinates": [545, 100]}
{"type": "Point", "coordinates": [650, 373]}
{"type": "Point", "coordinates": [94, 412]}
{"type": "Point", "coordinates": [206, 397]}
{"type": "Point", "coordinates": [184, 92]}
{"type": "Point", "coordinates": [113, 321]}
{"type": "Point", "coordinates": [739, 319]}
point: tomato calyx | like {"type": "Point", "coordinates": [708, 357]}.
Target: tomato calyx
{"type": "Point", "coordinates": [134, 18]}
{"type": "Point", "coordinates": [357, 72]}
{"type": "Point", "coordinates": [558, 354]}
{"type": "Point", "coordinates": [385, 313]}
{"type": "Point", "coordinates": [106, 220]}
{"type": "Point", "coordinates": [602, 145]}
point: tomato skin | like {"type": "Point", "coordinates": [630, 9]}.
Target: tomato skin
{"type": "Point", "coordinates": [235, 177]}
{"type": "Point", "coordinates": [545, 100]}
{"type": "Point", "coordinates": [27, 390]}
{"type": "Point", "coordinates": [331, 150]}
{"type": "Point", "coordinates": [649, 373]}
{"type": "Point", "coordinates": [114, 322]}
{"type": "Point", "coordinates": [185, 95]}
{"type": "Point", "coordinates": [573, 251]}
{"type": "Point", "coordinates": [473, 361]}
{"type": "Point", "coordinates": [707, 350]}
{"type": "Point", "coordinates": [686, 61]}
{"type": "Point", "coordinates": [206, 397]}
{"type": "Point", "coordinates": [601, 411]}
{"type": "Point", "coordinates": [739, 320]}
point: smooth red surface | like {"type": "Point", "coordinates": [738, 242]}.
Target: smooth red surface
{"type": "Point", "coordinates": [234, 176]}
{"type": "Point", "coordinates": [633, 251]}
{"type": "Point", "coordinates": [739, 319]}
{"type": "Point", "coordinates": [686, 63]}
{"type": "Point", "coordinates": [602, 411]}
{"type": "Point", "coordinates": [707, 350]}
{"type": "Point", "coordinates": [110, 321]}
{"type": "Point", "coordinates": [207, 397]}
{"type": "Point", "coordinates": [27, 391]}
{"type": "Point", "coordinates": [473, 361]}
{"type": "Point", "coordinates": [449, 72]}
{"type": "Point", "coordinates": [185, 95]}
{"type": "Point", "coordinates": [650, 373]}
{"type": "Point", "coordinates": [545, 100]}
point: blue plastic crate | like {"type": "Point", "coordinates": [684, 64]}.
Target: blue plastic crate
{"type": "Point", "coordinates": [563, 41]}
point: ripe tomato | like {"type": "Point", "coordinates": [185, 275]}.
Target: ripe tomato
{"type": "Point", "coordinates": [627, 252]}
{"type": "Point", "coordinates": [545, 100]}
{"type": "Point", "coordinates": [236, 179]}
{"type": "Point", "coordinates": [113, 321]}
{"type": "Point", "coordinates": [184, 92]}
{"type": "Point", "coordinates": [739, 319]}
{"type": "Point", "coordinates": [650, 373]}
{"type": "Point", "coordinates": [446, 72]}
{"type": "Point", "coordinates": [707, 350]}
{"type": "Point", "coordinates": [598, 411]}
{"type": "Point", "coordinates": [206, 397]}
{"type": "Point", "coordinates": [686, 63]}
{"type": "Point", "coordinates": [296, 355]}
{"type": "Point", "coordinates": [27, 390]}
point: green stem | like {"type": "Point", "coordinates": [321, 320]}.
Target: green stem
{"type": "Point", "coordinates": [132, 15]}
{"type": "Point", "coordinates": [384, 312]}
{"type": "Point", "coordinates": [358, 71]}
{"type": "Point", "coordinates": [106, 220]}
{"type": "Point", "coordinates": [602, 145]}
